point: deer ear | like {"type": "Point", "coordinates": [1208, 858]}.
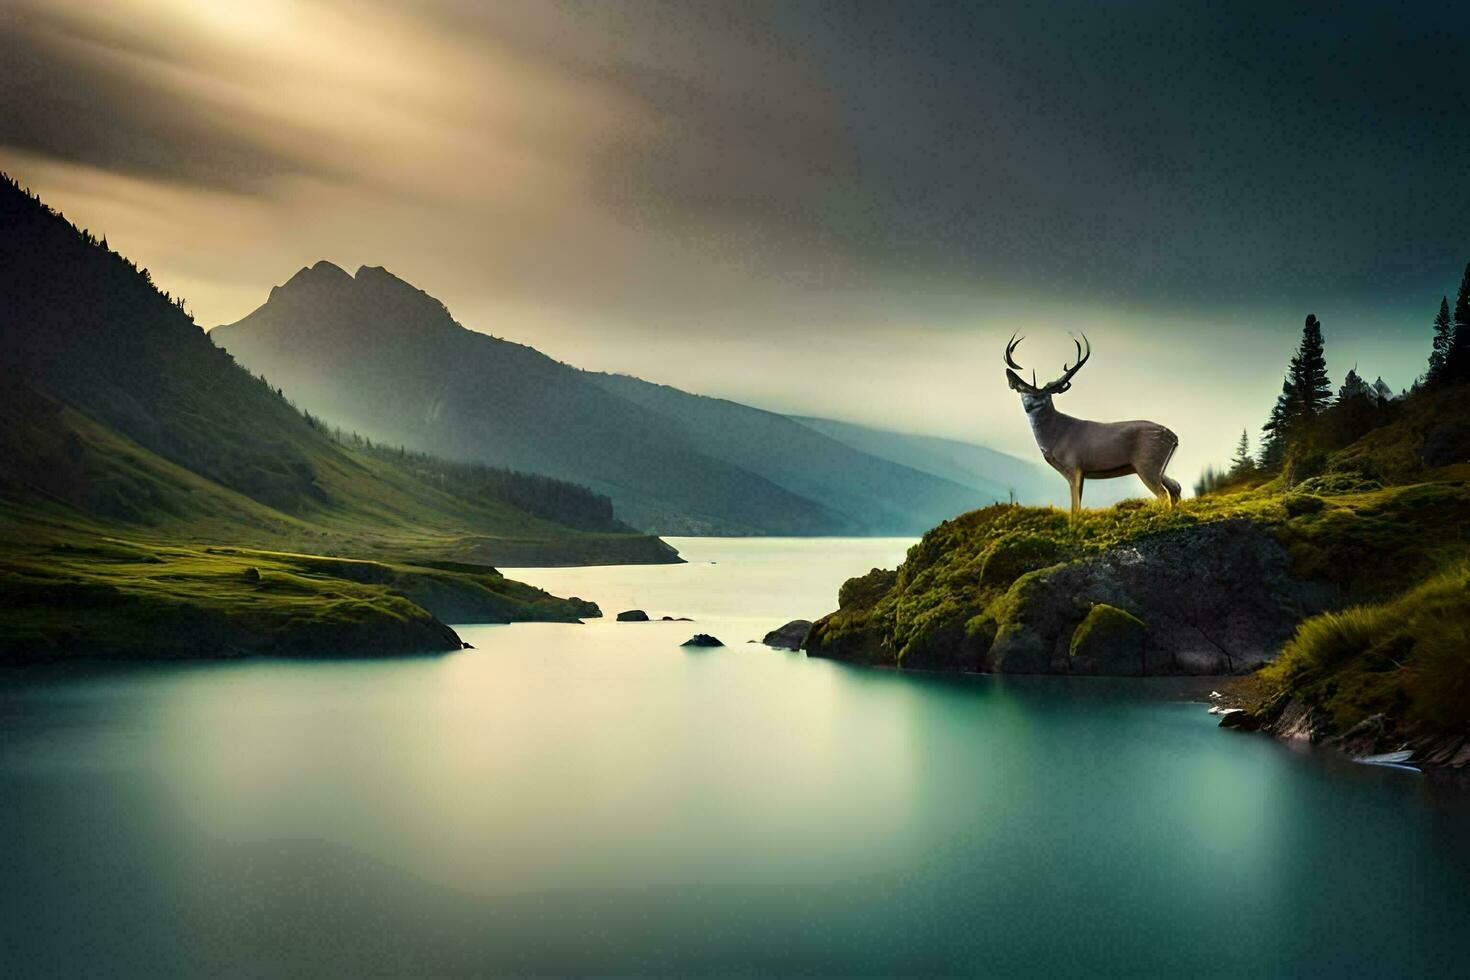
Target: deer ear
{"type": "Point", "coordinates": [1015, 381]}
{"type": "Point", "coordinates": [1064, 388]}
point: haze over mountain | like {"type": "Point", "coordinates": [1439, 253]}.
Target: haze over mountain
{"type": "Point", "coordinates": [996, 475]}
{"type": "Point", "coordinates": [374, 353]}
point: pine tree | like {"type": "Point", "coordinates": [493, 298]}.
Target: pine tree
{"type": "Point", "coordinates": [1273, 443]}
{"type": "Point", "coordinates": [1382, 390]}
{"type": "Point", "coordinates": [1308, 373]}
{"type": "Point", "coordinates": [1305, 392]}
{"type": "Point", "coordinates": [1243, 462]}
{"type": "Point", "coordinates": [1457, 359]}
{"type": "Point", "coordinates": [1444, 336]}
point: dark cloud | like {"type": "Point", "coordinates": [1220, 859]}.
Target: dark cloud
{"type": "Point", "coordinates": [1179, 152]}
{"type": "Point", "coordinates": [1166, 153]}
{"type": "Point", "coordinates": [887, 189]}
{"type": "Point", "coordinates": [79, 93]}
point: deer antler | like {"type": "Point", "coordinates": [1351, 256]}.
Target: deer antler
{"type": "Point", "coordinates": [1068, 372]}
{"type": "Point", "coordinates": [1011, 349]}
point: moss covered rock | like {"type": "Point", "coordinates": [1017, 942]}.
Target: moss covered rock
{"type": "Point", "coordinates": [1109, 640]}
{"type": "Point", "coordinates": [1221, 581]}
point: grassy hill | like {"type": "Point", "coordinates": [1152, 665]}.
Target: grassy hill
{"type": "Point", "coordinates": [1366, 606]}
{"type": "Point", "coordinates": [121, 422]}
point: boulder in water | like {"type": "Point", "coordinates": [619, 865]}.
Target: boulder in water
{"type": "Point", "coordinates": [790, 636]}
{"type": "Point", "coordinates": [702, 640]}
{"type": "Point", "coordinates": [632, 616]}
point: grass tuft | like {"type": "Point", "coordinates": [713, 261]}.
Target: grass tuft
{"type": "Point", "coordinates": [1408, 657]}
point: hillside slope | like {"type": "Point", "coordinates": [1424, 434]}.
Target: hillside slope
{"type": "Point", "coordinates": [119, 407]}
{"type": "Point", "coordinates": [120, 422]}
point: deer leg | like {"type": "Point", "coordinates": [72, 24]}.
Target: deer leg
{"type": "Point", "coordinates": [1156, 486]}
{"type": "Point", "coordinates": [1076, 481]}
{"type": "Point", "coordinates": [1170, 485]}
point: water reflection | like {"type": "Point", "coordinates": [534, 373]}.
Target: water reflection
{"type": "Point", "coordinates": [595, 798]}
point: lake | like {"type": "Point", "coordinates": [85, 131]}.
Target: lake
{"type": "Point", "coordinates": [597, 798]}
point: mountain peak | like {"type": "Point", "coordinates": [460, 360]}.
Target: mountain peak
{"type": "Point", "coordinates": [321, 274]}
{"type": "Point", "coordinates": [376, 275]}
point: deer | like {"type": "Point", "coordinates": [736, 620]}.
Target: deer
{"type": "Point", "coordinates": [1082, 450]}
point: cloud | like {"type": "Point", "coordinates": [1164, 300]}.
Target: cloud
{"type": "Point", "coordinates": [826, 207]}
{"type": "Point", "coordinates": [96, 99]}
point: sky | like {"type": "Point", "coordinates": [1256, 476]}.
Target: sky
{"type": "Point", "coordinates": [822, 208]}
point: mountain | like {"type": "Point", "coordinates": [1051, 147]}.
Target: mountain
{"type": "Point", "coordinates": [876, 493]}
{"type": "Point", "coordinates": [373, 353]}
{"type": "Point", "coordinates": [991, 475]}
{"type": "Point", "coordinates": [118, 406]}
{"type": "Point", "coordinates": [139, 463]}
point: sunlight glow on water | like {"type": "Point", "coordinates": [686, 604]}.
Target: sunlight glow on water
{"type": "Point", "coordinates": [597, 798]}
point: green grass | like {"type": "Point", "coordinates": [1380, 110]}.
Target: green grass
{"type": "Point", "coordinates": [1408, 657]}
{"type": "Point", "coordinates": [83, 474]}
{"type": "Point", "coordinates": [961, 583]}
{"type": "Point", "coordinates": [69, 594]}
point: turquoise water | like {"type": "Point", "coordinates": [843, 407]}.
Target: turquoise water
{"type": "Point", "coordinates": [572, 799]}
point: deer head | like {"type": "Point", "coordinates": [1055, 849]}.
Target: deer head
{"type": "Point", "coordinates": [1034, 397]}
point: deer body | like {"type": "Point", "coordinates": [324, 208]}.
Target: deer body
{"type": "Point", "coordinates": [1080, 449]}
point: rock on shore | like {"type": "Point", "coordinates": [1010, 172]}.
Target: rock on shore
{"type": "Point", "coordinates": [1375, 736]}
{"type": "Point", "coordinates": [789, 637]}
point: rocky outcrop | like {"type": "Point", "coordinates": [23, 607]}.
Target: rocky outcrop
{"type": "Point", "coordinates": [1109, 640]}
{"type": "Point", "coordinates": [632, 616]}
{"type": "Point", "coordinates": [1213, 599]}
{"type": "Point", "coordinates": [702, 640]}
{"type": "Point", "coordinates": [789, 637]}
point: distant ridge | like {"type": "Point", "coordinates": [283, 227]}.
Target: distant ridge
{"type": "Point", "coordinates": [991, 474]}
{"type": "Point", "coordinates": [374, 353]}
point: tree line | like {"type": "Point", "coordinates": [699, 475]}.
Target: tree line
{"type": "Point", "coordinates": [569, 504]}
{"type": "Point", "coordinates": [1309, 418]}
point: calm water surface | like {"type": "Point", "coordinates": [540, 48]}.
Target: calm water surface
{"type": "Point", "coordinates": [594, 798]}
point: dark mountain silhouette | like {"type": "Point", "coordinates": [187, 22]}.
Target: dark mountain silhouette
{"type": "Point", "coordinates": [117, 407]}
{"type": "Point", "coordinates": [374, 353]}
